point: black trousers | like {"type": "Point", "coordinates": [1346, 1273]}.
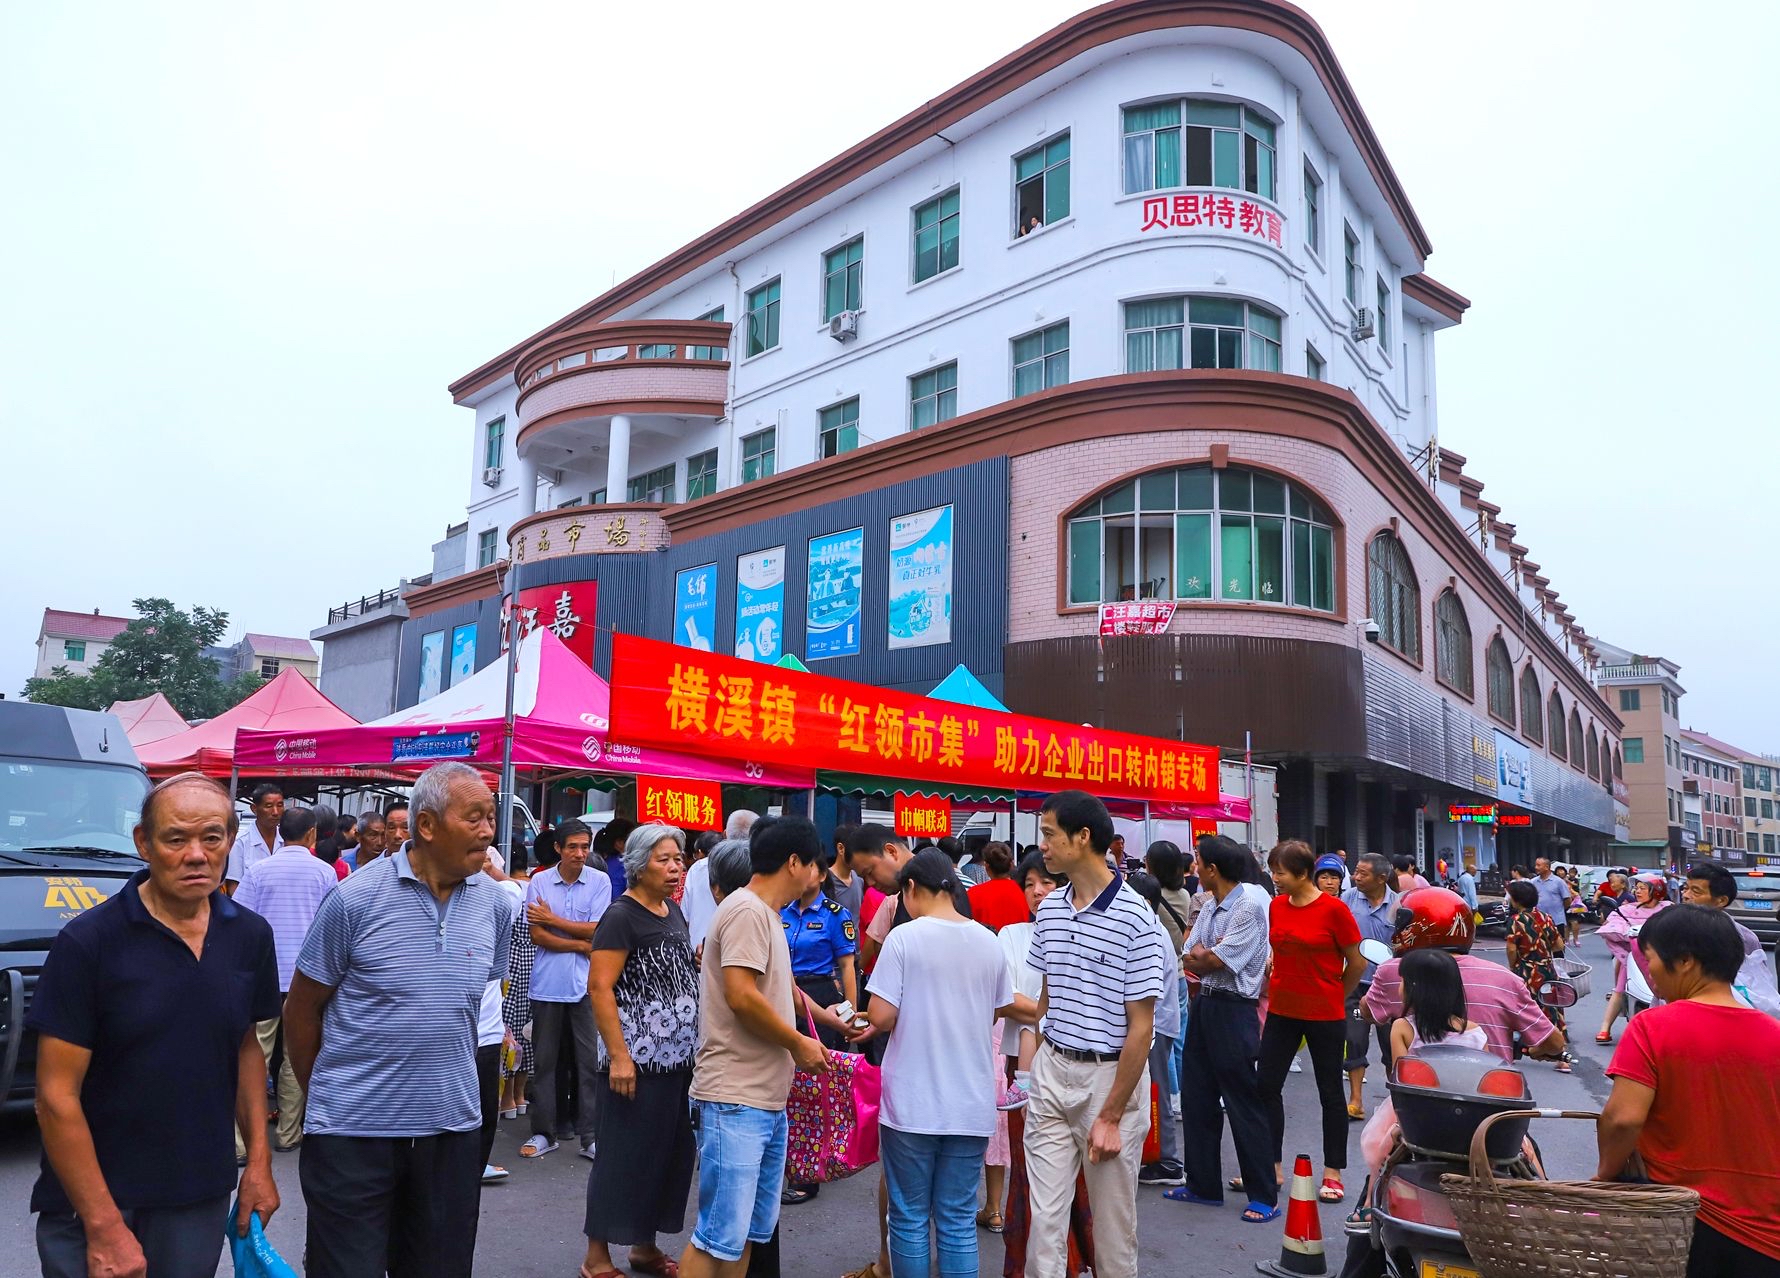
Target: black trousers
{"type": "Point", "coordinates": [551, 1022]}
{"type": "Point", "coordinates": [1279, 1043]}
{"type": "Point", "coordinates": [488, 1082]}
{"type": "Point", "coordinates": [1715, 1256]}
{"type": "Point", "coordinates": [177, 1242]}
{"type": "Point", "coordinates": [403, 1206]}
{"type": "Point", "coordinates": [1358, 1031]}
{"type": "Point", "coordinates": [1218, 1061]}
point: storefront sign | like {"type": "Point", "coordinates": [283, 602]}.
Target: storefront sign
{"type": "Point", "coordinates": [922, 816]}
{"type": "Point", "coordinates": [1483, 763]}
{"type": "Point", "coordinates": [1514, 820]}
{"type": "Point", "coordinates": [833, 593]}
{"type": "Point", "coordinates": [695, 607]}
{"type": "Point", "coordinates": [760, 605]}
{"type": "Point", "coordinates": [1472, 813]}
{"type": "Point", "coordinates": [1151, 617]}
{"type": "Point", "coordinates": [1514, 771]}
{"type": "Point", "coordinates": [717, 705]}
{"type": "Point", "coordinates": [1213, 213]}
{"type": "Point", "coordinates": [432, 747]}
{"type": "Point", "coordinates": [1199, 828]}
{"type": "Point", "coordinates": [694, 805]}
{"type": "Point", "coordinates": [921, 578]}
{"type": "Point", "coordinates": [566, 610]}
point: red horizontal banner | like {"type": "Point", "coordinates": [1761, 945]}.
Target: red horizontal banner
{"type": "Point", "coordinates": [922, 816]}
{"type": "Point", "coordinates": [711, 704]}
{"type": "Point", "coordinates": [693, 805]}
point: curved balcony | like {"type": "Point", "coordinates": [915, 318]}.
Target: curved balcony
{"type": "Point", "coordinates": [656, 373]}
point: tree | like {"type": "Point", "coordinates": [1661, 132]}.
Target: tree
{"type": "Point", "coordinates": [162, 650]}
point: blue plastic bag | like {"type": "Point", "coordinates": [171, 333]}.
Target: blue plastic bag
{"type": "Point", "coordinates": [255, 1257]}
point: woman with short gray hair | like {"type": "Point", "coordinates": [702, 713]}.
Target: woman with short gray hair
{"type": "Point", "coordinates": [643, 982]}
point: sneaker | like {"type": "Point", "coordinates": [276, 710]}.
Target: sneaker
{"type": "Point", "coordinates": [538, 1146]}
{"type": "Point", "coordinates": [1014, 1097]}
{"type": "Point", "coordinates": [1165, 1172]}
{"type": "Point", "coordinates": [587, 1151]}
{"type": "Point", "coordinates": [491, 1173]}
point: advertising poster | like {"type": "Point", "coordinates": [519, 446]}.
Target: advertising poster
{"type": "Point", "coordinates": [1514, 771]}
{"type": "Point", "coordinates": [921, 578]}
{"type": "Point", "coordinates": [836, 584]}
{"type": "Point", "coordinates": [463, 653]}
{"type": "Point", "coordinates": [695, 607]}
{"type": "Point", "coordinates": [432, 664]}
{"type": "Point", "coordinates": [760, 605]}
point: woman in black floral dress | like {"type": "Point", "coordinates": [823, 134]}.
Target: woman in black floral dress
{"type": "Point", "coordinates": [644, 986]}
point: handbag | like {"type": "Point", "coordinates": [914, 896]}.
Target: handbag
{"type": "Point", "coordinates": [832, 1118]}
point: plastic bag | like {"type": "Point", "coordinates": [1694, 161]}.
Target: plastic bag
{"type": "Point", "coordinates": [255, 1257]}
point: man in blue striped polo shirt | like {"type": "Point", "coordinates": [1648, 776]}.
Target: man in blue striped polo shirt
{"type": "Point", "coordinates": [381, 1026]}
{"type": "Point", "coordinates": [1103, 960]}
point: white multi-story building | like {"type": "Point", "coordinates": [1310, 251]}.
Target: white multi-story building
{"type": "Point", "coordinates": [1145, 304]}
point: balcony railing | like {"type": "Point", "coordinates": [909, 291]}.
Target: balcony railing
{"type": "Point", "coordinates": [703, 343]}
{"type": "Point", "coordinates": [1636, 672]}
{"type": "Point", "coordinates": [361, 606]}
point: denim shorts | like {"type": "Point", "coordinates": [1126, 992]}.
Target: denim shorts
{"type": "Point", "coordinates": [741, 1162]}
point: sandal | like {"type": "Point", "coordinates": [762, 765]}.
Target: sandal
{"type": "Point", "coordinates": [660, 1266]}
{"type": "Point", "coordinates": [1603, 1038]}
{"type": "Point", "coordinates": [1259, 1214]}
{"type": "Point", "coordinates": [1356, 1111]}
{"type": "Point", "coordinates": [1234, 1184]}
{"type": "Point", "coordinates": [791, 1196]}
{"type": "Point", "coordinates": [868, 1270]}
{"type": "Point", "coordinates": [1179, 1194]}
{"type": "Point", "coordinates": [604, 1273]}
{"type": "Point", "coordinates": [986, 1219]}
{"type": "Point", "coordinates": [1332, 1191]}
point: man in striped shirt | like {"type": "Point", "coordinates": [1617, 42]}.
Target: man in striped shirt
{"type": "Point", "coordinates": [1103, 960]}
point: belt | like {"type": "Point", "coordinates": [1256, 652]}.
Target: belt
{"type": "Point", "coordinates": [1074, 1054]}
{"type": "Point", "coordinates": [1227, 996]}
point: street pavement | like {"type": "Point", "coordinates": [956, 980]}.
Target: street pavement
{"type": "Point", "coordinates": [531, 1223]}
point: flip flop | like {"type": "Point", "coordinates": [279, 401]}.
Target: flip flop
{"type": "Point", "coordinates": [1181, 1194]}
{"type": "Point", "coordinates": [1603, 1038]}
{"type": "Point", "coordinates": [1332, 1190]}
{"type": "Point", "coordinates": [1260, 1214]}
{"type": "Point", "coordinates": [662, 1266]}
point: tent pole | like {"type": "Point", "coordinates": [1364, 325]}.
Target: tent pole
{"type": "Point", "coordinates": [1248, 784]}
{"type": "Point", "coordinates": [504, 826]}
{"type": "Point", "coordinates": [1148, 838]}
{"type": "Point", "coordinates": [234, 782]}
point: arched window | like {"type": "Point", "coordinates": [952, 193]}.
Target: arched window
{"type": "Point", "coordinates": [1197, 534]}
{"type": "Point", "coordinates": [1396, 599]}
{"type": "Point", "coordinates": [1554, 723]}
{"type": "Point", "coordinates": [1532, 718]}
{"type": "Point", "coordinates": [1499, 673]}
{"type": "Point", "coordinates": [1618, 764]}
{"type": "Point", "coordinates": [1593, 755]}
{"type": "Point", "coordinates": [1452, 644]}
{"type": "Point", "coordinates": [1575, 739]}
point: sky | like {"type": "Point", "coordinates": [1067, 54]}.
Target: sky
{"type": "Point", "coordinates": [244, 248]}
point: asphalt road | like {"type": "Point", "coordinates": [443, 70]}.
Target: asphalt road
{"type": "Point", "coordinates": [531, 1223]}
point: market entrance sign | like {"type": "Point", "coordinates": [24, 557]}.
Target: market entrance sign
{"type": "Point", "coordinates": [711, 704]}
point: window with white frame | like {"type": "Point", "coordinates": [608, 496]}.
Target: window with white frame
{"type": "Point", "coordinates": [933, 396]}
{"type": "Point", "coordinates": [839, 428]}
{"type": "Point", "coordinates": [657, 485]}
{"type": "Point", "coordinates": [763, 318]}
{"type": "Point", "coordinates": [1198, 142]}
{"type": "Point", "coordinates": [1313, 210]}
{"type": "Point", "coordinates": [493, 438]}
{"type": "Point", "coordinates": [74, 650]}
{"type": "Point", "coordinates": [485, 547]}
{"type": "Point", "coordinates": [759, 452]}
{"type": "Point", "coordinates": [268, 667]}
{"type": "Point", "coordinates": [1384, 316]}
{"type": "Point", "coordinates": [936, 229]}
{"type": "Point", "coordinates": [1350, 264]}
{"type": "Point", "coordinates": [1041, 185]}
{"type": "Point", "coordinates": [701, 474]}
{"type": "Point", "coordinates": [1041, 359]}
{"type": "Point", "coordinates": [1200, 332]}
{"type": "Point", "coordinates": [1197, 534]}
{"type": "Point", "coordinates": [843, 278]}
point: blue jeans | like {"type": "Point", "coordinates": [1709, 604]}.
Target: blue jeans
{"type": "Point", "coordinates": [932, 1180]}
{"type": "Point", "coordinates": [741, 1160]}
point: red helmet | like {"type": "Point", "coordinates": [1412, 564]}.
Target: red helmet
{"type": "Point", "coordinates": [1433, 918]}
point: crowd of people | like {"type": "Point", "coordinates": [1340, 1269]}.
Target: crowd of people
{"type": "Point", "coordinates": [658, 995]}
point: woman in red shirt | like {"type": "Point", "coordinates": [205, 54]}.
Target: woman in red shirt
{"type": "Point", "coordinates": [998, 900]}
{"type": "Point", "coordinates": [1696, 1092]}
{"type": "Point", "coordinates": [1316, 965]}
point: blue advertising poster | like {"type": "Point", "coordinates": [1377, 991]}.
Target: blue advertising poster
{"type": "Point", "coordinates": [760, 605]}
{"type": "Point", "coordinates": [921, 578]}
{"type": "Point", "coordinates": [463, 653]}
{"type": "Point", "coordinates": [831, 609]}
{"type": "Point", "coordinates": [1514, 771]}
{"type": "Point", "coordinates": [429, 748]}
{"type": "Point", "coordinates": [695, 607]}
{"type": "Point", "coordinates": [432, 664]}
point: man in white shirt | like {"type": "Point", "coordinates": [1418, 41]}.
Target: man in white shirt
{"type": "Point", "coordinates": [259, 840]}
{"type": "Point", "coordinates": [286, 889]}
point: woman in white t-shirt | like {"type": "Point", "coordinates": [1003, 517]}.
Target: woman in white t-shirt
{"type": "Point", "coordinates": [939, 983]}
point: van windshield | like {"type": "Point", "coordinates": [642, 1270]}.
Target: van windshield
{"type": "Point", "coordinates": [47, 804]}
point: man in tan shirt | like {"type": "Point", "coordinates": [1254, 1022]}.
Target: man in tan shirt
{"type": "Point", "coordinates": [749, 1047]}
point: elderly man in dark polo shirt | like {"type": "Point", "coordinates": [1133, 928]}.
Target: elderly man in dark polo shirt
{"type": "Point", "coordinates": [147, 1058]}
{"type": "Point", "coordinates": [381, 1026]}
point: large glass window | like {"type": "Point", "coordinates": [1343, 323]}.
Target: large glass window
{"type": "Point", "coordinates": [933, 396]}
{"type": "Point", "coordinates": [1384, 316]}
{"type": "Point", "coordinates": [1499, 671]}
{"type": "Point", "coordinates": [709, 352]}
{"type": "Point", "coordinates": [840, 427]}
{"type": "Point", "coordinates": [1197, 142]}
{"type": "Point", "coordinates": [1634, 753]}
{"type": "Point", "coordinates": [936, 236]}
{"type": "Point", "coordinates": [1350, 264]}
{"type": "Point", "coordinates": [843, 279]}
{"type": "Point", "coordinates": [1196, 533]}
{"type": "Point", "coordinates": [1452, 644]}
{"type": "Point", "coordinates": [1396, 600]}
{"type": "Point", "coordinates": [1554, 723]}
{"type": "Point", "coordinates": [701, 474]}
{"type": "Point", "coordinates": [491, 451]}
{"type": "Point", "coordinates": [763, 318]}
{"type": "Point", "coordinates": [1200, 332]}
{"type": "Point", "coordinates": [759, 452]}
{"type": "Point", "coordinates": [1041, 186]}
{"type": "Point", "coordinates": [1041, 359]}
{"type": "Point", "coordinates": [657, 485]}
{"type": "Point", "coordinates": [1532, 714]}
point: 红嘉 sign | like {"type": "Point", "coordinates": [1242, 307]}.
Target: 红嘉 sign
{"type": "Point", "coordinates": [922, 816]}
{"type": "Point", "coordinates": [711, 704]}
{"type": "Point", "coordinates": [567, 611]}
{"type": "Point", "coordinates": [694, 805]}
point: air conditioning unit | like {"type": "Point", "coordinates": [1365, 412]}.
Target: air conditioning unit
{"type": "Point", "coordinates": [491, 475]}
{"type": "Point", "coordinates": [844, 327]}
{"type": "Point", "coordinates": [1363, 325]}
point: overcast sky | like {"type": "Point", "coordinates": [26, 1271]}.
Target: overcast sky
{"type": "Point", "coordinates": [243, 248]}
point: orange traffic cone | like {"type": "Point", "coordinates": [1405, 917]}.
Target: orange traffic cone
{"type": "Point", "coordinates": [1301, 1252]}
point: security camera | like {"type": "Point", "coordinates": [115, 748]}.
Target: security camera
{"type": "Point", "coordinates": [1371, 630]}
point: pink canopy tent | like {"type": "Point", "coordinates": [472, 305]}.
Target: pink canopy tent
{"type": "Point", "coordinates": [560, 721]}
{"type": "Point", "coordinates": [287, 706]}
{"type": "Point", "coordinates": [148, 720]}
